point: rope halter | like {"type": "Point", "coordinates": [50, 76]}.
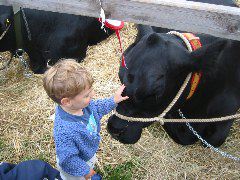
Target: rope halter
{"type": "Point", "coordinates": [161, 118]}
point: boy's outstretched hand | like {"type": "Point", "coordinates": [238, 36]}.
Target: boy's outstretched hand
{"type": "Point", "coordinates": [118, 95]}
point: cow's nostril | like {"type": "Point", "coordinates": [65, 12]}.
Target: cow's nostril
{"type": "Point", "coordinates": [130, 78]}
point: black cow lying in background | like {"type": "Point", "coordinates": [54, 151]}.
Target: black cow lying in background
{"type": "Point", "coordinates": [53, 36]}
{"type": "Point", "coordinates": [158, 64]}
{"type": "Point", "coordinates": [8, 41]}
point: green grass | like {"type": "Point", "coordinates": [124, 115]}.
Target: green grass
{"type": "Point", "coordinates": [123, 171]}
{"type": "Point", "coordinates": [41, 156]}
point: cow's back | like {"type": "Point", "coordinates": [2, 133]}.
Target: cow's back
{"type": "Point", "coordinates": [55, 35]}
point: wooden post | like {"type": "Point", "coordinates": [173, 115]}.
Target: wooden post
{"type": "Point", "coordinates": [216, 20]}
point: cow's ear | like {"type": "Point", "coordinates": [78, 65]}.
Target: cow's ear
{"type": "Point", "coordinates": [206, 57]}
{"type": "Point", "coordinates": [142, 31]}
{"type": "Point", "coordinates": [153, 39]}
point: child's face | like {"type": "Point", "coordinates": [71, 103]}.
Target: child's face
{"type": "Point", "coordinates": [82, 100]}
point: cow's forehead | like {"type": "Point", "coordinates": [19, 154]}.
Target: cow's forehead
{"type": "Point", "coordinates": [146, 68]}
{"type": "Point", "coordinates": [149, 58]}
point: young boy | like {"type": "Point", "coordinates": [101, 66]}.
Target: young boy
{"type": "Point", "coordinates": [77, 117]}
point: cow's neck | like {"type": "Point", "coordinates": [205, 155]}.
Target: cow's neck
{"type": "Point", "coordinates": [200, 95]}
{"type": "Point", "coordinates": [197, 105]}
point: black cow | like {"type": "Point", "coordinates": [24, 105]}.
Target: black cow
{"type": "Point", "coordinates": [7, 43]}
{"type": "Point", "coordinates": [158, 64]}
{"type": "Point", "coordinates": [54, 36]}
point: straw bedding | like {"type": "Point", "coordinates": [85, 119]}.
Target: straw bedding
{"type": "Point", "coordinates": [26, 130]}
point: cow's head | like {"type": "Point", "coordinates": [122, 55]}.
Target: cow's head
{"type": "Point", "coordinates": [157, 66]}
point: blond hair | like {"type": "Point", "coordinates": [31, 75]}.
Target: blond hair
{"type": "Point", "coordinates": [66, 79]}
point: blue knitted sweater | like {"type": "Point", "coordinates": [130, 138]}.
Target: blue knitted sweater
{"type": "Point", "coordinates": [75, 145]}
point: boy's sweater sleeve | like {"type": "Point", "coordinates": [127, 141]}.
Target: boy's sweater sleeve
{"type": "Point", "coordinates": [104, 106]}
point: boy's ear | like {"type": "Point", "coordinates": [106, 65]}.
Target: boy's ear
{"type": "Point", "coordinates": [65, 101]}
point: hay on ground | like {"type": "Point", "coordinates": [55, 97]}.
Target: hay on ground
{"type": "Point", "coordinates": [26, 130]}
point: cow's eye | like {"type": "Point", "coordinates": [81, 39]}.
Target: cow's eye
{"type": "Point", "coordinates": [130, 78]}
